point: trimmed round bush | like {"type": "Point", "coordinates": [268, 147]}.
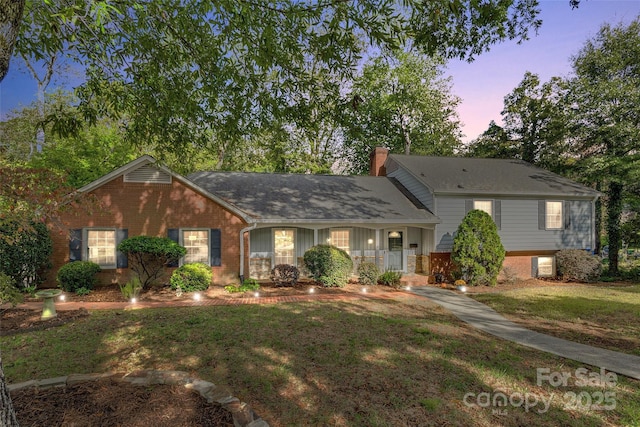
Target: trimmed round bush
{"type": "Point", "coordinates": [578, 266]}
{"type": "Point", "coordinates": [191, 277]}
{"type": "Point", "coordinates": [368, 273]}
{"type": "Point", "coordinates": [78, 275]}
{"type": "Point", "coordinates": [328, 265]}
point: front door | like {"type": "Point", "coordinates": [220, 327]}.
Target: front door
{"type": "Point", "coordinates": [395, 251]}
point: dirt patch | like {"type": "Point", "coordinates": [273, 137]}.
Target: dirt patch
{"type": "Point", "coordinates": [17, 320]}
{"type": "Point", "coordinates": [107, 402]}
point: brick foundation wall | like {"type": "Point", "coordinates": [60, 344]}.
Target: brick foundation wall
{"type": "Point", "coordinates": [152, 209]}
{"type": "Point", "coordinates": [515, 265]}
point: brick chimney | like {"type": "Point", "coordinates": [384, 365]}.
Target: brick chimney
{"type": "Point", "coordinates": [376, 161]}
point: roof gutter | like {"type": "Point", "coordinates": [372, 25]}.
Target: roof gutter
{"type": "Point", "coordinates": [244, 230]}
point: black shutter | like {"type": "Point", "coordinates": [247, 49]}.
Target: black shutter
{"type": "Point", "coordinates": [215, 254]}
{"type": "Point", "coordinates": [542, 223]}
{"type": "Point", "coordinates": [174, 234]}
{"type": "Point", "coordinates": [566, 210]}
{"type": "Point", "coordinates": [534, 266]}
{"type": "Point", "coordinates": [75, 245]}
{"type": "Point", "coordinates": [468, 206]}
{"type": "Point", "coordinates": [121, 259]}
{"type": "Point", "coordinates": [497, 213]}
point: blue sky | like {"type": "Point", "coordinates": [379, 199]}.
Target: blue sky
{"type": "Point", "coordinates": [482, 84]}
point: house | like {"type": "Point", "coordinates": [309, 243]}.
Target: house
{"type": "Point", "coordinates": [403, 218]}
{"type": "Point", "coordinates": [536, 212]}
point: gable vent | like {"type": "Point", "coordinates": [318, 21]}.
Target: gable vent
{"type": "Point", "coordinates": [149, 175]}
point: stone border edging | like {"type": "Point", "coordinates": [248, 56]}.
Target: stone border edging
{"type": "Point", "coordinates": [243, 415]}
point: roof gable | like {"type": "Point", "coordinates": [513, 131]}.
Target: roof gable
{"type": "Point", "coordinates": [145, 169]}
{"type": "Point", "coordinates": [468, 176]}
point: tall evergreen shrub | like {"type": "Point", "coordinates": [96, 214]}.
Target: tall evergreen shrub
{"type": "Point", "coordinates": [477, 249]}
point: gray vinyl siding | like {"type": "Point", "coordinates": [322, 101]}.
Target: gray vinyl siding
{"type": "Point", "coordinates": [304, 241]}
{"type": "Point", "coordinates": [261, 242]}
{"type": "Point", "coordinates": [414, 186]}
{"type": "Point", "coordinates": [519, 225]}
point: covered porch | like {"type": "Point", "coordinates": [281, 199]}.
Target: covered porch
{"type": "Point", "coordinates": [397, 247]}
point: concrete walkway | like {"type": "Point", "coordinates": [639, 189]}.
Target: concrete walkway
{"type": "Point", "coordinates": [488, 320]}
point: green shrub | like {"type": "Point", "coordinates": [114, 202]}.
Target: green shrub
{"type": "Point", "coordinates": [8, 292]}
{"type": "Point", "coordinates": [131, 289]}
{"type": "Point", "coordinates": [249, 285]}
{"type": "Point", "coordinates": [285, 275]}
{"type": "Point", "coordinates": [477, 250]}
{"type": "Point", "coordinates": [578, 265]}
{"type": "Point", "coordinates": [329, 265]}
{"type": "Point", "coordinates": [74, 276]}
{"type": "Point", "coordinates": [191, 277]}
{"type": "Point", "coordinates": [390, 278]}
{"type": "Point", "coordinates": [149, 255]}
{"type": "Point", "coordinates": [25, 253]}
{"type": "Point", "coordinates": [368, 273]}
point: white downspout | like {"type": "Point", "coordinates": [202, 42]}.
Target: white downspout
{"type": "Point", "coordinates": [244, 230]}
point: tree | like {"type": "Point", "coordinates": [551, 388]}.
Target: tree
{"type": "Point", "coordinates": [27, 196]}
{"type": "Point", "coordinates": [477, 249]}
{"type": "Point", "coordinates": [605, 95]}
{"type": "Point", "coordinates": [210, 74]}
{"type": "Point", "coordinates": [26, 257]}
{"type": "Point", "coordinates": [536, 130]}
{"type": "Point", "coordinates": [535, 119]}
{"type": "Point", "coordinates": [406, 106]}
{"type": "Point", "coordinates": [90, 153]}
{"type": "Point", "coordinates": [149, 255]}
{"type": "Point", "coordinates": [495, 143]}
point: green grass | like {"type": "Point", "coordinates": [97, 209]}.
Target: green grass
{"type": "Point", "coordinates": [369, 362]}
{"type": "Point", "coordinates": [604, 316]}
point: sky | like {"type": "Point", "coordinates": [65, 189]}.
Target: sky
{"type": "Point", "coordinates": [482, 84]}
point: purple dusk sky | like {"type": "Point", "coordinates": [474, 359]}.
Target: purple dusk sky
{"type": "Point", "coordinates": [482, 84]}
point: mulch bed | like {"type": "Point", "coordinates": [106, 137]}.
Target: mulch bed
{"type": "Point", "coordinates": [107, 402]}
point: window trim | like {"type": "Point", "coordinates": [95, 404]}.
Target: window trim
{"type": "Point", "coordinates": [208, 245]}
{"type": "Point", "coordinates": [553, 266]}
{"type": "Point", "coordinates": [295, 236]}
{"type": "Point", "coordinates": [491, 201]}
{"type": "Point", "coordinates": [348, 230]}
{"type": "Point", "coordinates": [86, 248]}
{"type": "Point", "coordinates": [561, 222]}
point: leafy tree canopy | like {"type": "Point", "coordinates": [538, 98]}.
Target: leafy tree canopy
{"type": "Point", "coordinates": [405, 105]}
{"type": "Point", "coordinates": [192, 73]}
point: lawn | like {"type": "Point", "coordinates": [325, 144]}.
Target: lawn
{"type": "Point", "coordinates": [605, 316]}
{"type": "Point", "coordinates": [370, 362]}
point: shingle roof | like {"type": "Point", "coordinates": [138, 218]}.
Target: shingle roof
{"type": "Point", "coordinates": [464, 175]}
{"type": "Point", "coordinates": [307, 198]}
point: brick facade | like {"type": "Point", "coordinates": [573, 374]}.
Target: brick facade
{"type": "Point", "coordinates": [152, 209]}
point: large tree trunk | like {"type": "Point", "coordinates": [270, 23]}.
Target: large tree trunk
{"type": "Point", "coordinates": [10, 20]}
{"type": "Point", "coordinates": [7, 414]}
{"type": "Point", "coordinates": [598, 222]}
{"type": "Point", "coordinates": [614, 210]}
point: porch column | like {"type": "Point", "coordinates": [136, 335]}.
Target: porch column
{"type": "Point", "coordinates": [378, 249]}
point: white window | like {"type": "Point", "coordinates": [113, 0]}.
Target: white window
{"type": "Point", "coordinates": [340, 239]}
{"type": "Point", "coordinates": [484, 205]}
{"type": "Point", "coordinates": [553, 215]}
{"type": "Point", "coordinates": [196, 242]}
{"type": "Point", "coordinates": [546, 266]}
{"type": "Point", "coordinates": [101, 247]}
{"type": "Point", "coordinates": [284, 246]}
